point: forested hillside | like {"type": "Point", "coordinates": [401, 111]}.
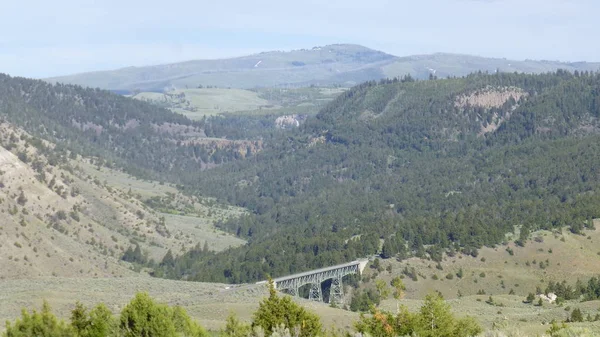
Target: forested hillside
{"type": "Point", "coordinates": [143, 138]}
{"type": "Point", "coordinates": [425, 166]}
{"type": "Point", "coordinates": [428, 166]}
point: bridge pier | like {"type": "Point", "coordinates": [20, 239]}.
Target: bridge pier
{"type": "Point", "coordinates": [336, 291]}
{"type": "Point", "coordinates": [315, 292]}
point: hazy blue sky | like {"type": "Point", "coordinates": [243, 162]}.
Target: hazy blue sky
{"type": "Point", "coordinates": [44, 38]}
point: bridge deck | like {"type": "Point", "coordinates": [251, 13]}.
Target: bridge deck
{"type": "Point", "coordinates": [316, 271]}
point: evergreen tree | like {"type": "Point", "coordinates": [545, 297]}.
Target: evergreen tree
{"type": "Point", "coordinates": [576, 315]}
{"type": "Point", "coordinates": [97, 323]}
{"type": "Point", "coordinates": [388, 250]}
{"type": "Point", "coordinates": [530, 298]}
{"type": "Point", "coordinates": [235, 328]}
{"type": "Point", "coordinates": [42, 323]}
{"type": "Point", "coordinates": [275, 311]}
{"type": "Point", "coordinates": [143, 317]}
{"type": "Point", "coordinates": [22, 200]}
{"type": "Point", "coordinates": [168, 260]}
{"type": "Point", "coordinates": [433, 320]}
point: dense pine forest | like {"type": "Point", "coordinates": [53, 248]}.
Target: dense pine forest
{"type": "Point", "coordinates": [406, 162]}
{"type": "Point", "coordinates": [426, 167]}
{"type": "Point", "coordinates": [144, 139]}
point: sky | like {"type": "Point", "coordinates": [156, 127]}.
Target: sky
{"type": "Point", "coordinates": [49, 38]}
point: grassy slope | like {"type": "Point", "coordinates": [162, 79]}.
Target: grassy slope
{"type": "Point", "coordinates": [207, 101]}
{"type": "Point", "coordinates": [575, 257]}
{"type": "Point", "coordinates": [109, 205]}
{"type": "Point", "coordinates": [198, 103]}
{"type": "Point", "coordinates": [211, 303]}
{"type": "Point", "coordinates": [186, 230]}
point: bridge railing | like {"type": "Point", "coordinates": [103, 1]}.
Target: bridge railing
{"type": "Point", "coordinates": [292, 283]}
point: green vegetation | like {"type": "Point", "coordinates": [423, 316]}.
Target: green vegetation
{"type": "Point", "coordinates": [42, 323]}
{"type": "Point", "coordinates": [143, 138]}
{"type": "Point", "coordinates": [276, 311]}
{"type": "Point", "coordinates": [581, 290]}
{"type": "Point", "coordinates": [275, 316]}
{"type": "Point", "coordinates": [427, 168]}
{"type": "Point", "coordinates": [434, 319]}
{"type": "Point", "coordinates": [141, 317]}
{"type": "Point", "coordinates": [196, 103]}
{"type": "Point", "coordinates": [420, 171]}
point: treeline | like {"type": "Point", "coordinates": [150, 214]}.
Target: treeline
{"type": "Point", "coordinates": [275, 316]}
{"type": "Point", "coordinates": [581, 290]}
{"type": "Point", "coordinates": [141, 317]}
{"type": "Point", "coordinates": [400, 161]}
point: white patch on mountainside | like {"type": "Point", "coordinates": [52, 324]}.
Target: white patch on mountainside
{"type": "Point", "coordinates": [490, 97]}
{"type": "Point", "coordinates": [287, 121]}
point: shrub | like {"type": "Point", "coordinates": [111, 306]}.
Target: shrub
{"type": "Point", "coordinates": [43, 323]}
{"type": "Point", "coordinates": [22, 200]}
{"type": "Point", "coordinates": [433, 319]}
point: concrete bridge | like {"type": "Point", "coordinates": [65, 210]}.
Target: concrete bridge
{"type": "Point", "coordinates": [292, 283]}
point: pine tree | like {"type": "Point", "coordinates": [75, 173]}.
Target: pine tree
{"type": "Point", "coordinates": [97, 323]}
{"type": "Point", "coordinates": [388, 250]}
{"type": "Point", "coordinates": [22, 200]}
{"type": "Point", "coordinates": [168, 260]}
{"type": "Point", "coordinates": [399, 287]}
{"type": "Point", "coordinates": [435, 318]}
{"type": "Point", "coordinates": [530, 298]}
{"type": "Point", "coordinates": [235, 328]}
{"type": "Point", "coordinates": [43, 323]}
{"type": "Point", "coordinates": [576, 315]}
{"type": "Point", "coordinates": [382, 289]}
{"type": "Point", "coordinates": [275, 311]}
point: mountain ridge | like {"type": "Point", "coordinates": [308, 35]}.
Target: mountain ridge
{"type": "Point", "coordinates": [337, 64]}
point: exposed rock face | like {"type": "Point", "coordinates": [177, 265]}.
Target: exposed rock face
{"type": "Point", "coordinates": [287, 121]}
{"type": "Point", "coordinates": [490, 97]}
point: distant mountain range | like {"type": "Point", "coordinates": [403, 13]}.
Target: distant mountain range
{"type": "Point", "coordinates": [342, 64]}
